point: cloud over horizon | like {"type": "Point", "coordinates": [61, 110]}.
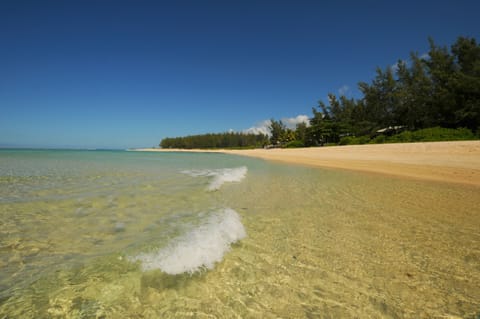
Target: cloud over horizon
{"type": "Point", "coordinates": [290, 122]}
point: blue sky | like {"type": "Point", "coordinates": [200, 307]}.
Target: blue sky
{"type": "Point", "coordinates": [117, 74]}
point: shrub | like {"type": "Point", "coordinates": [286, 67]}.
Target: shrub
{"type": "Point", "coordinates": [346, 140]}
{"type": "Point", "coordinates": [433, 134]}
{"type": "Point", "coordinates": [403, 137]}
{"type": "Point", "coordinates": [352, 140]}
{"type": "Point", "coordinates": [362, 140]}
{"type": "Point", "coordinates": [294, 144]}
{"type": "Point", "coordinates": [380, 139]}
{"type": "Point", "coordinates": [444, 134]}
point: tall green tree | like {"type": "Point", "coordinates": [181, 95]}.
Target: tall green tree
{"type": "Point", "coordinates": [217, 140]}
{"type": "Point", "coordinates": [380, 98]}
{"type": "Point", "coordinates": [301, 132]}
{"type": "Point", "coordinates": [277, 131]}
{"type": "Point", "coordinates": [442, 71]}
{"type": "Point", "coordinates": [414, 94]}
{"type": "Point", "coordinates": [322, 127]}
{"type": "Point", "coordinates": [466, 53]}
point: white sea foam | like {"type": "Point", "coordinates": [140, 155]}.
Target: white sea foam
{"type": "Point", "coordinates": [219, 176]}
{"type": "Point", "coordinates": [199, 248]}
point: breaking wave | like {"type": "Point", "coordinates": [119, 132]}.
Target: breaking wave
{"type": "Point", "coordinates": [200, 248]}
{"type": "Point", "coordinates": [219, 176]}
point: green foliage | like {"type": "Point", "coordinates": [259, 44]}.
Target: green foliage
{"type": "Point", "coordinates": [333, 122]}
{"type": "Point", "coordinates": [352, 140]}
{"type": "Point", "coordinates": [434, 97]}
{"type": "Point", "coordinates": [434, 134]}
{"type": "Point", "coordinates": [288, 136]}
{"type": "Point", "coordinates": [301, 132]}
{"type": "Point", "coordinates": [442, 89]}
{"type": "Point", "coordinates": [277, 131]}
{"type": "Point", "coordinates": [403, 137]}
{"type": "Point", "coordinates": [347, 140]}
{"type": "Point", "coordinates": [380, 139]}
{"type": "Point", "coordinates": [220, 140]}
{"type": "Point", "coordinates": [294, 144]}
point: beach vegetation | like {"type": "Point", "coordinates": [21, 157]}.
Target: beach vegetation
{"type": "Point", "coordinates": [433, 134]}
{"type": "Point", "coordinates": [431, 97]}
{"type": "Point", "coordinates": [294, 144]}
{"type": "Point", "coordinates": [277, 131]}
{"type": "Point", "coordinates": [219, 140]}
{"type": "Point", "coordinates": [353, 140]}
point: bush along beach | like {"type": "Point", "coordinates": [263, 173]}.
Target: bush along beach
{"type": "Point", "coordinates": [430, 97]}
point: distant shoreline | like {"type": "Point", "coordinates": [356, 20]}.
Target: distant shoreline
{"type": "Point", "coordinates": [453, 162]}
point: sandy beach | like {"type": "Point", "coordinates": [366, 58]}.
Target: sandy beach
{"type": "Point", "coordinates": [107, 229]}
{"type": "Point", "coordinates": [456, 162]}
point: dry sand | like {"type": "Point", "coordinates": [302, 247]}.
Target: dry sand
{"type": "Point", "coordinates": [457, 162]}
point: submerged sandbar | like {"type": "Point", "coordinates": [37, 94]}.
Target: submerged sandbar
{"type": "Point", "coordinates": [455, 162]}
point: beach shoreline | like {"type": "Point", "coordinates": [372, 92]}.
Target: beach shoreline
{"type": "Point", "coordinates": [453, 162]}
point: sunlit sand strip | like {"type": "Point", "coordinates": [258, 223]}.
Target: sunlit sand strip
{"type": "Point", "coordinates": [457, 162]}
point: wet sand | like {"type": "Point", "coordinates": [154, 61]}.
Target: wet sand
{"type": "Point", "coordinates": [454, 162]}
{"type": "Point", "coordinates": [321, 243]}
{"type": "Point", "coordinates": [359, 245]}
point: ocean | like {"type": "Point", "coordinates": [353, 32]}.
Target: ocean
{"type": "Point", "coordinates": [118, 234]}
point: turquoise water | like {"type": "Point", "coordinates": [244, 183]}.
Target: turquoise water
{"type": "Point", "coordinates": [115, 234]}
{"type": "Point", "coordinates": [104, 202]}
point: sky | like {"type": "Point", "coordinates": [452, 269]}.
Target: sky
{"type": "Point", "coordinates": [120, 74]}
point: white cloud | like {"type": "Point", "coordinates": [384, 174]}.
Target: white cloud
{"type": "Point", "coordinates": [394, 67]}
{"type": "Point", "coordinates": [290, 122]}
{"type": "Point", "coordinates": [259, 128]}
{"type": "Point", "coordinates": [425, 56]}
{"type": "Point", "coordinates": [344, 90]}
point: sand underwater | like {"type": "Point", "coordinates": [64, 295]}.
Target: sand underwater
{"type": "Point", "coordinates": [183, 235]}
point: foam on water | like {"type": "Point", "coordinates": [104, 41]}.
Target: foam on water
{"type": "Point", "coordinates": [199, 248]}
{"type": "Point", "coordinates": [219, 176]}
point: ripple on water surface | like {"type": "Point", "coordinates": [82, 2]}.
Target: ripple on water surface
{"type": "Point", "coordinates": [142, 235]}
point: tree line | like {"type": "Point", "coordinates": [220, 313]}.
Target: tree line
{"type": "Point", "coordinates": [438, 90]}
{"type": "Point", "coordinates": [218, 140]}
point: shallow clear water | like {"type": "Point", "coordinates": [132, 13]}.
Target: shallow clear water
{"type": "Point", "coordinates": [91, 234]}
